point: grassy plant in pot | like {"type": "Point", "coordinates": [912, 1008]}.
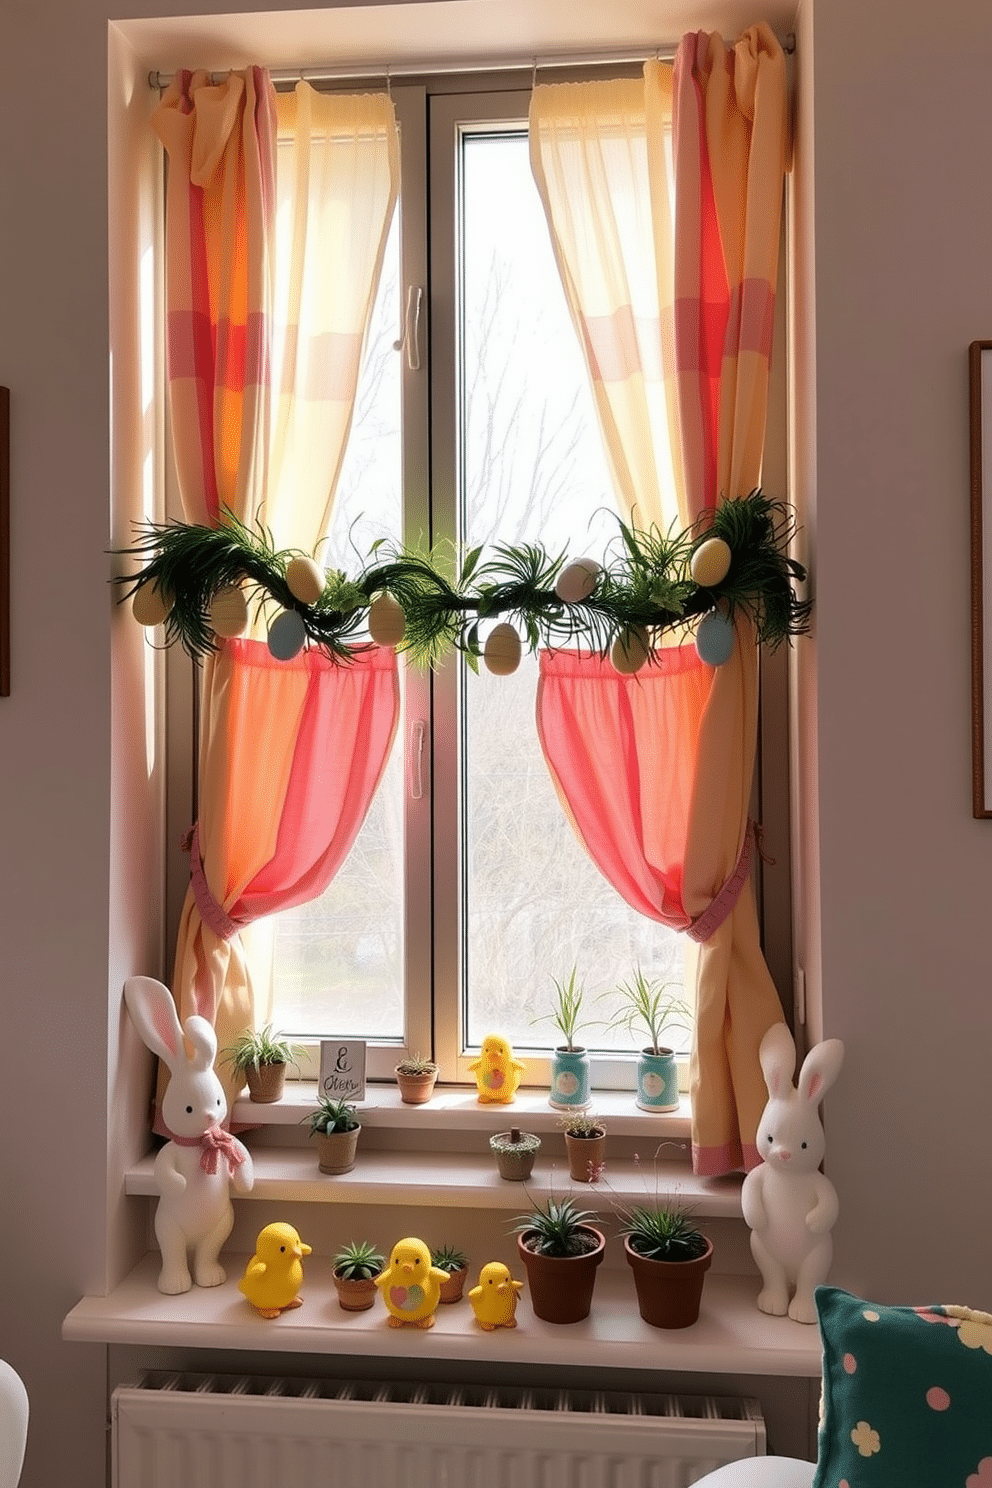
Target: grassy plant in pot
{"type": "Point", "coordinates": [585, 1143]}
{"type": "Point", "coordinates": [652, 1007]}
{"type": "Point", "coordinates": [561, 1249]}
{"type": "Point", "coordinates": [515, 1151]}
{"type": "Point", "coordinates": [569, 1061]}
{"type": "Point", "coordinates": [454, 1262]}
{"type": "Point", "coordinates": [356, 1265]}
{"type": "Point", "coordinates": [260, 1058]}
{"type": "Point", "coordinates": [416, 1077]}
{"type": "Point", "coordinates": [669, 1257]}
{"type": "Point", "coordinates": [336, 1126]}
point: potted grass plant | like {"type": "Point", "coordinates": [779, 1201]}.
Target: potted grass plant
{"type": "Point", "coordinates": [356, 1265]}
{"type": "Point", "coordinates": [651, 1007]}
{"type": "Point", "coordinates": [561, 1249]}
{"type": "Point", "coordinates": [336, 1126]}
{"type": "Point", "coordinates": [454, 1262]}
{"type": "Point", "coordinates": [669, 1257]}
{"type": "Point", "coordinates": [569, 1061]}
{"type": "Point", "coordinates": [585, 1144]}
{"type": "Point", "coordinates": [514, 1151]}
{"type": "Point", "coordinates": [416, 1077]}
{"type": "Point", "coordinates": [260, 1058]}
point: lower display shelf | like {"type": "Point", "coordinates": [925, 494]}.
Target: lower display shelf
{"type": "Point", "coordinates": [731, 1336]}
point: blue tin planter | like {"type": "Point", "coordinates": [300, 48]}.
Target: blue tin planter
{"type": "Point", "coordinates": [569, 1080]}
{"type": "Point", "coordinates": [657, 1081]}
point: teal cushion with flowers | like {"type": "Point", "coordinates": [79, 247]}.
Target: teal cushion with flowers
{"type": "Point", "coordinates": [907, 1395]}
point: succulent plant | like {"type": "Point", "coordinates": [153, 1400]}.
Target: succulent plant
{"type": "Point", "coordinates": [359, 1260]}
{"type": "Point", "coordinates": [416, 1064]}
{"type": "Point", "coordinates": [449, 1258]}
{"type": "Point", "coordinates": [332, 1115]}
{"type": "Point", "coordinates": [558, 1228]}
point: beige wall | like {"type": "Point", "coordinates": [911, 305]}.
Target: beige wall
{"type": "Point", "coordinates": [894, 162]}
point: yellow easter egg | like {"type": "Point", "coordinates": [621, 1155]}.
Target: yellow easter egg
{"type": "Point", "coordinates": [228, 612]}
{"type": "Point", "coordinates": [710, 563]}
{"type": "Point", "coordinates": [386, 622]}
{"type": "Point", "coordinates": [150, 604]}
{"type": "Point", "coordinates": [577, 581]}
{"type": "Point", "coordinates": [630, 651]}
{"type": "Point", "coordinates": [501, 652]}
{"type": "Point", "coordinates": [306, 580]}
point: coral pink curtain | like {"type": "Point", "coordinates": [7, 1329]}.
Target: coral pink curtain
{"type": "Point", "coordinates": [262, 356]}
{"type": "Point", "coordinates": [656, 771]}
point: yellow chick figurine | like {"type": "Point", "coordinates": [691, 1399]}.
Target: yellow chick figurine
{"type": "Point", "coordinates": [497, 1073]}
{"type": "Point", "coordinates": [410, 1286]}
{"type": "Point", "coordinates": [494, 1300]}
{"type": "Point", "coordinates": [274, 1274]}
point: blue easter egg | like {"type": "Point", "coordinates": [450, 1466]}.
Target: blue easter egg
{"type": "Point", "coordinates": [287, 635]}
{"type": "Point", "coordinates": [715, 639]}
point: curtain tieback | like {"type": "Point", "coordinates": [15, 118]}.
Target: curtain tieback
{"type": "Point", "coordinates": [213, 915]}
{"type": "Point", "coordinates": [714, 915]}
{"type": "Point", "coordinates": [214, 1142]}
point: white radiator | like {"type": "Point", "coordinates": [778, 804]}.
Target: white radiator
{"type": "Point", "coordinates": [217, 1431]}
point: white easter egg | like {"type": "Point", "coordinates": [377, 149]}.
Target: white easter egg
{"type": "Point", "coordinates": [228, 613]}
{"type": "Point", "coordinates": [150, 604]}
{"type": "Point", "coordinates": [306, 580]}
{"type": "Point", "coordinates": [577, 581]}
{"type": "Point", "coordinates": [287, 635]}
{"type": "Point", "coordinates": [714, 639]}
{"type": "Point", "coordinates": [386, 622]}
{"type": "Point", "coordinates": [710, 563]}
{"type": "Point", "coordinates": [629, 651]}
{"type": "Point", "coordinates": [501, 652]}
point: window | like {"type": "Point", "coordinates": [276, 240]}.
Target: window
{"type": "Point", "coordinates": [466, 893]}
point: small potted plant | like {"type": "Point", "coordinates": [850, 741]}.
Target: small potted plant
{"type": "Point", "coordinates": [455, 1262]}
{"type": "Point", "coordinates": [356, 1265]}
{"type": "Point", "coordinates": [336, 1126]}
{"type": "Point", "coordinates": [561, 1250]}
{"type": "Point", "coordinates": [652, 1006]}
{"type": "Point", "coordinates": [585, 1143]}
{"type": "Point", "coordinates": [669, 1257]}
{"type": "Point", "coordinates": [416, 1077]}
{"type": "Point", "coordinates": [569, 1061]}
{"type": "Point", "coordinates": [261, 1057]}
{"type": "Point", "coordinates": [515, 1151]}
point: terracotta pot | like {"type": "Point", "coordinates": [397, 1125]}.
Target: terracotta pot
{"type": "Point", "coordinates": [561, 1287]}
{"type": "Point", "coordinates": [266, 1083]}
{"type": "Point", "coordinates": [354, 1294]}
{"type": "Point", "coordinates": [581, 1152]}
{"type": "Point", "coordinates": [416, 1090]}
{"type": "Point", "coordinates": [668, 1292]}
{"type": "Point", "coordinates": [336, 1150]}
{"type": "Point", "coordinates": [451, 1290]}
{"type": "Point", "coordinates": [515, 1161]}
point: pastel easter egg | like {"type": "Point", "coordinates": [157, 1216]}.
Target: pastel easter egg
{"type": "Point", "coordinates": [228, 612]}
{"type": "Point", "coordinates": [493, 1079]}
{"type": "Point", "coordinates": [386, 621]}
{"type": "Point", "coordinates": [577, 581]}
{"type": "Point", "coordinates": [714, 639]}
{"type": "Point", "coordinates": [397, 1296]}
{"type": "Point", "coordinates": [287, 635]}
{"type": "Point", "coordinates": [629, 651]}
{"type": "Point", "coordinates": [150, 604]}
{"type": "Point", "coordinates": [710, 563]}
{"type": "Point", "coordinates": [306, 580]}
{"type": "Point", "coordinates": [502, 650]}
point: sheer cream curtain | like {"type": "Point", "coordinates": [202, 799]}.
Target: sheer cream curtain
{"type": "Point", "coordinates": [269, 293]}
{"type": "Point", "coordinates": [679, 371]}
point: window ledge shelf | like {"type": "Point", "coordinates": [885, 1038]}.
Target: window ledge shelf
{"type": "Point", "coordinates": [731, 1336]}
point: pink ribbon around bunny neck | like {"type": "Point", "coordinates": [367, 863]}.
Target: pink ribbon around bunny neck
{"type": "Point", "coordinates": [214, 1142]}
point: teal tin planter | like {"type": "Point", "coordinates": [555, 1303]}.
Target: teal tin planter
{"type": "Point", "coordinates": [657, 1081]}
{"type": "Point", "coordinates": [569, 1080]}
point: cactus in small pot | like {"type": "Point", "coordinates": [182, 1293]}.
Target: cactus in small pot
{"type": "Point", "coordinates": [416, 1077]}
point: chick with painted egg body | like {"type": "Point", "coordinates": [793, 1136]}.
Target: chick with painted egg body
{"type": "Point", "coordinates": [274, 1274]}
{"type": "Point", "coordinates": [410, 1285]}
{"type": "Point", "coordinates": [497, 1073]}
{"type": "Point", "coordinates": [494, 1300]}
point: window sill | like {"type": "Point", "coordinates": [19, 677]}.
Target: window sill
{"type": "Point", "coordinates": [731, 1336]}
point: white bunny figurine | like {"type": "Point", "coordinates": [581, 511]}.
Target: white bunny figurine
{"type": "Point", "coordinates": [788, 1204]}
{"type": "Point", "coordinates": [193, 1170]}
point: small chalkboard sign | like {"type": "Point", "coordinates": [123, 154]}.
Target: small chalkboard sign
{"type": "Point", "coordinates": [342, 1069]}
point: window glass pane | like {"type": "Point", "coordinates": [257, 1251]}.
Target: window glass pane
{"type": "Point", "coordinates": [533, 470]}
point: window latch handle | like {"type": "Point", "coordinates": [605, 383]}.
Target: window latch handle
{"type": "Point", "coordinates": [418, 740]}
{"type": "Point", "coordinates": [410, 339]}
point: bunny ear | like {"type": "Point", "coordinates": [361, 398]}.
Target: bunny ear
{"type": "Point", "coordinates": [820, 1069]}
{"type": "Point", "coordinates": [777, 1057]}
{"type": "Point", "coordinates": [204, 1041]}
{"type": "Point", "coordinates": [153, 1013]}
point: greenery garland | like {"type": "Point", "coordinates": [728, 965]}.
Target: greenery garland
{"type": "Point", "coordinates": [645, 585]}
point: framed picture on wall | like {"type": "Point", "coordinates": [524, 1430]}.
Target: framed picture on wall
{"type": "Point", "coordinates": [980, 421]}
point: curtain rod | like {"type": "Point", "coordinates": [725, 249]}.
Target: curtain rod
{"type": "Point", "coordinates": [285, 77]}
